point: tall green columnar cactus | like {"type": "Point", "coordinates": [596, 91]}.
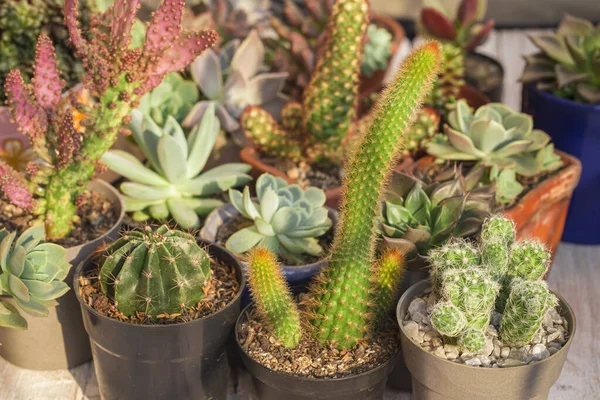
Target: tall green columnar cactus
{"type": "Point", "coordinates": [155, 272]}
{"type": "Point", "coordinates": [527, 305]}
{"type": "Point", "coordinates": [385, 283]}
{"type": "Point", "coordinates": [272, 296]}
{"type": "Point", "coordinates": [340, 302]}
{"type": "Point", "coordinates": [117, 75]}
{"type": "Point", "coordinates": [317, 127]}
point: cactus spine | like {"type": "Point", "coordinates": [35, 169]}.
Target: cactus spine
{"type": "Point", "coordinates": [155, 272]}
{"type": "Point", "coordinates": [272, 296]}
{"type": "Point", "coordinates": [387, 276]}
{"type": "Point", "coordinates": [340, 299]}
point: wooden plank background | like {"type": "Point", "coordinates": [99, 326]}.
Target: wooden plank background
{"type": "Point", "coordinates": [575, 275]}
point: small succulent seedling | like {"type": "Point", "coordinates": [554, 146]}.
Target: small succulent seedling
{"type": "Point", "coordinates": [287, 219]}
{"type": "Point", "coordinates": [317, 127]}
{"type": "Point", "coordinates": [568, 63]}
{"type": "Point", "coordinates": [32, 273]}
{"type": "Point", "coordinates": [501, 274]}
{"type": "Point", "coordinates": [377, 50]}
{"type": "Point", "coordinates": [345, 302]}
{"type": "Point", "coordinates": [174, 184]}
{"type": "Point", "coordinates": [154, 271]}
{"type": "Point", "coordinates": [117, 75]}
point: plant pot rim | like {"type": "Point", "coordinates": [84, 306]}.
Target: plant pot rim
{"type": "Point", "coordinates": [392, 26]}
{"type": "Point", "coordinates": [565, 102]}
{"type": "Point", "coordinates": [203, 243]}
{"type": "Point", "coordinates": [230, 210]}
{"type": "Point", "coordinates": [256, 364]}
{"type": "Point", "coordinates": [425, 283]}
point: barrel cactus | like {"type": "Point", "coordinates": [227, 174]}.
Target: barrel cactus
{"type": "Point", "coordinates": [32, 273]}
{"type": "Point", "coordinates": [154, 272]}
{"type": "Point", "coordinates": [174, 184]}
{"type": "Point", "coordinates": [287, 219]}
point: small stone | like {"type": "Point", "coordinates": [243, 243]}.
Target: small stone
{"type": "Point", "coordinates": [485, 361]}
{"type": "Point", "coordinates": [505, 352]}
{"type": "Point", "coordinates": [473, 362]}
{"type": "Point", "coordinates": [509, 362]}
{"type": "Point", "coordinates": [412, 329]}
{"type": "Point", "coordinates": [420, 317]}
{"type": "Point", "coordinates": [491, 330]}
{"type": "Point", "coordinates": [430, 335]}
{"type": "Point", "coordinates": [466, 355]}
{"type": "Point", "coordinates": [431, 300]}
{"type": "Point", "coordinates": [553, 350]}
{"type": "Point", "coordinates": [496, 317]}
{"type": "Point", "coordinates": [521, 354]}
{"type": "Point", "coordinates": [556, 345]}
{"type": "Point", "coordinates": [497, 350]}
{"type": "Point", "coordinates": [551, 329]}
{"type": "Point", "coordinates": [439, 351]}
{"type": "Point", "coordinates": [420, 337]}
{"type": "Point", "coordinates": [435, 342]}
{"type": "Point", "coordinates": [539, 352]}
{"type": "Point", "coordinates": [565, 323]}
{"type": "Point", "coordinates": [556, 337]}
{"type": "Point", "coordinates": [537, 338]}
{"type": "Point", "coordinates": [418, 305]}
{"type": "Point", "coordinates": [425, 346]}
{"type": "Point", "coordinates": [556, 318]}
{"type": "Point", "coordinates": [547, 321]}
{"type": "Point", "coordinates": [451, 351]}
{"type": "Point", "coordinates": [489, 346]}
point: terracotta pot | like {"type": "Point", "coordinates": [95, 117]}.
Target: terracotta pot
{"type": "Point", "coordinates": [372, 84]}
{"type": "Point", "coordinates": [59, 341]}
{"type": "Point", "coordinates": [177, 361]}
{"type": "Point", "coordinates": [434, 378]}
{"type": "Point", "coordinates": [474, 97]}
{"type": "Point", "coordinates": [542, 212]}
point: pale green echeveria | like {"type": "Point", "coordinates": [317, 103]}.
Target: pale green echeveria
{"type": "Point", "coordinates": [377, 50]}
{"type": "Point", "coordinates": [507, 186]}
{"type": "Point", "coordinates": [32, 273]}
{"type": "Point", "coordinates": [235, 78]}
{"type": "Point", "coordinates": [173, 185]}
{"type": "Point", "coordinates": [175, 96]}
{"type": "Point", "coordinates": [568, 63]}
{"type": "Point", "coordinates": [494, 135]}
{"type": "Point", "coordinates": [287, 219]}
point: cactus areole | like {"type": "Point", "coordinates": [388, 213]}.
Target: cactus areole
{"type": "Point", "coordinates": [117, 75]}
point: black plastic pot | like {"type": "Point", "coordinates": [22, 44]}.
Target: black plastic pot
{"type": "Point", "coordinates": [180, 361]}
{"type": "Point", "coordinates": [493, 92]}
{"type": "Point", "coordinates": [272, 385]}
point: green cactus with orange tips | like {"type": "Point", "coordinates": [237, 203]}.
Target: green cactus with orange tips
{"type": "Point", "coordinates": [317, 127]}
{"type": "Point", "coordinates": [272, 296]}
{"type": "Point", "coordinates": [385, 283]}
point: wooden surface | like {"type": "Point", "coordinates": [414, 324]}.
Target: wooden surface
{"type": "Point", "coordinates": [575, 275]}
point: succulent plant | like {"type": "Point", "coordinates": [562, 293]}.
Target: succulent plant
{"type": "Point", "coordinates": [175, 96]}
{"type": "Point", "coordinates": [154, 272]}
{"type": "Point", "coordinates": [287, 219]}
{"type": "Point", "coordinates": [340, 308]}
{"type": "Point", "coordinates": [272, 295]}
{"type": "Point", "coordinates": [446, 90]}
{"type": "Point", "coordinates": [568, 63]}
{"type": "Point", "coordinates": [501, 274]}
{"type": "Point", "coordinates": [32, 273]}
{"type": "Point", "coordinates": [233, 78]}
{"type": "Point", "coordinates": [422, 131]}
{"type": "Point", "coordinates": [377, 50]}
{"type": "Point", "coordinates": [173, 184]}
{"type": "Point", "coordinates": [117, 75]}
{"type": "Point", "coordinates": [22, 21]}
{"type": "Point", "coordinates": [317, 127]}
{"type": "Point", "coordinates": [419, 215]}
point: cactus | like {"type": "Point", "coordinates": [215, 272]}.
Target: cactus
{"type": "Point", "coordinates": [272, 296]}
{"type": "Point", "coordinates": [174, 185]}
{"type": "Point", "coordinates": [319, 125]}
{"type": "Point", "coordinates": [340, 301]}
{"type": "Point", "coordinates": [446, 90]}
{"type": "Point", "coordinates": [385, 284]}
{"type": "Point", "coordinates": [32, 273]}
{"type": "Point", "coordinates": [527, 305]}
{"type": "Point", "coordinates": [568, 63]}
{"type": "Point", "coordinates": [117, 75]}
{"type": "Point", "coordinates": [287, 219]}
{"type": "Point", "coordinates": [341, 309]}
{"type": "Point", "coordinates": [507, 277]}
{"type": "Point", "coordinates": [154, 272]}
{"type": "Point", "coordinates": [423, 130]}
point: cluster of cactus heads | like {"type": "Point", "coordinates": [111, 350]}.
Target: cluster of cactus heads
{"type": "Point", "coordinates": [32, 273]}
{"type": "Point", "coordinates": [498, 274]}
{"type": "Point", "coordinates": [117, 75]}
{"type": "Point", "coordinates": [317, 127]}
{"type": "Point", "coordinates": [446, 90]}
{"type": "Point", "coordinates": [355, 289]}
{"type": "Point", "coordinates": [154, 272]}
{"type": "Point", "coordinates": [423, 130]}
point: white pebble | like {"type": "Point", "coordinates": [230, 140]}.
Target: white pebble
{"type": "Point", "coordinates": [418, 305]}
{"type": "Point", "coordinates": [539, 352]}
{"type": "Point", "coordinates": [473, 362]}
{"type": "Point", "coordinates": [505, 352]}
{"type": "Point", "coordinates": [412, 329]}
{"type": "Point", "coordinates": [439, 351]}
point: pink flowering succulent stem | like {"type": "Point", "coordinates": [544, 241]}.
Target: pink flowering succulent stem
{"type": "Point", "coordinates": [116, 75]}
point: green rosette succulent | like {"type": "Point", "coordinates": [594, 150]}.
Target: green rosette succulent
{"type": "Point", "coordinates": [175, 96]}
{"type": "Point", "coordinates": [172, 184]}
{"type": "Point", "coordinates": [421, 214]}
{"type": "Point", "coordinates": [377, 50]}
{"type": "Point", "coordinates": [287, 219]}
{"type": "Point", "coordinates": [568, 63]}
{"type": "Point", "coordinates": [32, 273]}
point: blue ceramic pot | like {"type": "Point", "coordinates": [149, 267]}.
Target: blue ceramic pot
{"type": "Point", "coordinates": [298, 277]}
{"type": "Point", "coordinates": [575, 129]}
